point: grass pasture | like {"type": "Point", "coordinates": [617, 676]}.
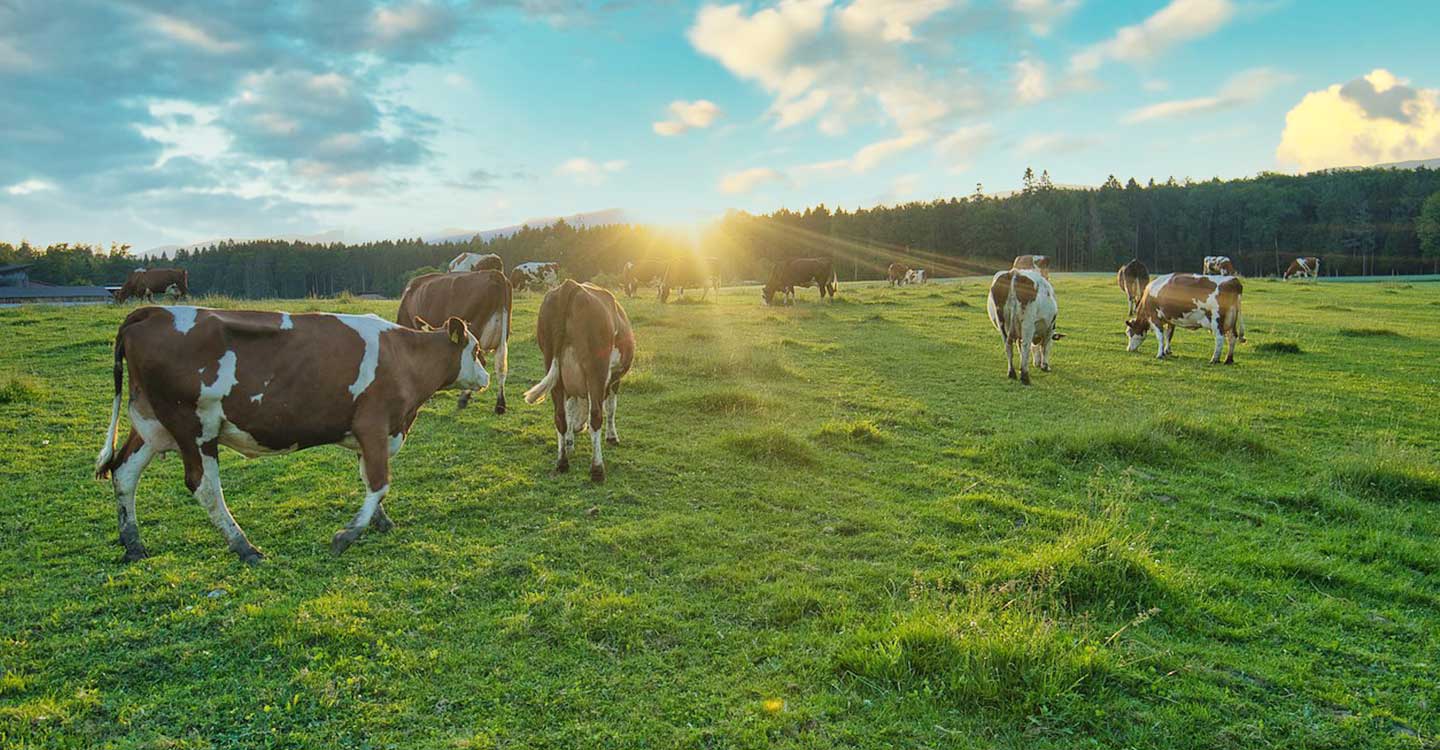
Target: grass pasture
{"type": "Point", "coordinates": [832, 525]}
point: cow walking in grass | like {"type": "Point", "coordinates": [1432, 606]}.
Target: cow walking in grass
{"type": "Point", "coordinates": [1305, 266]}
{"type": "Point", "coordinates": [1040, 263]}
{"type": "Point", "coordinates": [587, 345]}
{"type": "Point", "coordinates": [1133, 278]}
{"type": "Point", "coordinates": [642, 273]}
{"type": "Point", "coordinates": [898, 273]}
{"type": "Point", "coordinates": [1218, 265]}
{"type": "Point", "coordinates": [144, 284]}
{"type": "Point", "coordinates": [476, 262]}
{"type": "Point", "coordinates": [534, 275]}
{"type": "Point", "coordinates": [688, 272]}
{"type": "Point", "coordinates": [1022, 307]}
{"type": "Point", "coordinates": [268, 382]}
{"type": "Point", "coordinates": [802, 272]}
{"type": "Point", "coordinates": [1189, 301]}
{"type": "Point", "coordinates": [480, 298]}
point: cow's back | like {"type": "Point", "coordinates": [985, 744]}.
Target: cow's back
{"type": "Point", "coordinates": [472, 296]}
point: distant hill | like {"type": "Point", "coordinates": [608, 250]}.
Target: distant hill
{"type": "Point", "coordinates": [323, 238]}
{"type": "Point", "coordinates": [1433, 163]}
{"type": "Point", "coordinates": [589, 219]}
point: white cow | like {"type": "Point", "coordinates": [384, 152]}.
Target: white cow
{"type": "Point", "coordinates": [915, 276]}
{"type": "Point", "coordinates": [535, 275]}
{"type": "Point", "coordinates": [476, 262]}
{"type": "Point", "coordinates": [1021, 304]}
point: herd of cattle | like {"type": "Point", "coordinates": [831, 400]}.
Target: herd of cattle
{"type": "Point", "coordinates": [271, 382]}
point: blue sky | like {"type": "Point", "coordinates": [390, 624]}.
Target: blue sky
{"type": "Point", "coordinates": [151, 122]}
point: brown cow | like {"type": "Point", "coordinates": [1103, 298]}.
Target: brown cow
{"type": "Point", "coordinates": [476, 262]}
{"type": "Point", "coordinates": [1022, 307]}
{"type": "Point", "coordinates": [586, 341]}
{"type": "Point", "coordinates": [1039, 263]}
{"type": "Point", "coordinates": [690, 272]}
{"type": "Point", "coordinates": [1189, 301]}
{"type": "Point", "coordinates": [1133, 278]}
{"type": "Point", "coordinates": [898, 273]}
{"type": "Point", "coordinates": [1307, 265]}
{"type": "Point", "coordinates": [145, 284]}
{"type": "Point", "coordinates": [642, 273]}
{"type": "Point", "coordinates": [271, 382]}
{"type": "Point", "coordinates": [480, 298]}
{"type": "Point", "coordinates": [1217, 265]}
{"type": "Point", "coordinates": [803, 272]}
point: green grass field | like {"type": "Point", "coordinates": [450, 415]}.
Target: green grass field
{"type": "Point", "coordinates": [831, 525]}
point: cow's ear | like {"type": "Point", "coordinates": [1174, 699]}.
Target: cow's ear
{"type": "Point", "coordinates": [1057, 336]}
{"type": "Point", "coordinates": [456, 327]}
{"type": "Point", "coordinates": [422, 324]}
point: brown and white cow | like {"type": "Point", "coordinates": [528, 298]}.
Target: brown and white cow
{"type": "Point", "coordinates": [1021, 304]}
{"type": "Point", "coordinates": [535, 275]}
{"type": "Point", "coordinates": [642, 273]}
{"type": "Point", "coordinates": [1133, 277]}
{"type": "Point", "coordinates": [1211, 303]}
{"type": "Point", "coordinates": [1306, 265]}
{"type": "Point", "coordinates": [271, 382]}
{"type": "Point", "coordinates": [586, 341]}
{"type": "Point", "coordinates": [145, 284]}
{"type": "Point", "coordinates": [690, 272]}
{"type": "Point", "coordinates": [802, 272]}
{"type": "Point", "coordinates": [917, 276]}
{"type": "Point", "coordinates": [1217, 265]}
{"type": "Point", "coordinates": [480, 298]}
{"type": "Point", "coordinates": [1039, 263]}
{"type": "Point", "coordinates": [476, 262]}
{"type": "Point", "coordinates": [898, 273]}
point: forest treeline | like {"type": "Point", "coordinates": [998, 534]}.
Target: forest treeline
{"type": "Point", "coordinates": [1368, 221]}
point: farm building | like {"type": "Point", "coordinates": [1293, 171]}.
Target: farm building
{"type": "Point", "coordinates": [16, 288]}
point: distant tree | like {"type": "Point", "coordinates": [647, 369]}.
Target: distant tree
{"type": "Point", "coordinates": [1427, 227]}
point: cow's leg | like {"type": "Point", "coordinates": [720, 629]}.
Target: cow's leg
{"type": "Point", "coordinates": [597, 383]}
{"type": "Point", "coordinates": [1232, 337]}
{"type": "Point", "coordinates": [463, 401]}
{"type": "Point", "coordinates": [1027, 337]}
{"type": "Point", "coordinates": [375, 470]}
{"type": "Point", "coordinates": [202, 476]}
{"type": "Point", "coordinates": [1009, 355]}
{"type": "Point", "coordinates": [573, 421]}
{"type": "Point", "coordinates": [502, 361]}
{"type": "Point", "coordinates": [1159, 331]}
{"type": "Point", "coordinates": [562, 407]}
{"type": "Point", "coordinates": [611, 436]}
{"type": "Point", "coordinates": [1045, 353]}
{"type": "Point", "coordinates": [129, 464]}
{"type": "Point", "coordinates": [1219, 344]}
{"type": "Point", "coordinates": [381, 521]}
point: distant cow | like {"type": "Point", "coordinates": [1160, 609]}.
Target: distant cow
{"type": "Point", "coordinates": [898, 273]}
{"type": "Point", "coordinates": [1189, 301]}
{"type": "Point", "coordinates": [802, 272]}
{"type": "Point", "coordinates": [536, 275]}
{"type": "Point", "coordinates": [642, 273]}
{"type": "Point", "coordinates": [1304, 266]}
{"type": "Point", "coordinates": [476, 262]}
{"type": "Point", "coordinates": [1021, 304]}
{"type": "Point", "coordinates": [916, 276]}
{"type": "Point", "coordinates": [269, 382]}
{"type": "Point", "coordinates": [1039, 263]}
{"type": "Point", "coordinates": [1217, 265]}
{"type": "Point", "coordinates": [586, 341]}
{"type": "Point", "coordinates": [1132, 278]}
{"type": "Point", "coordinates": [143, 284]}
{"type": "Point", "coordinates": [688, 272]}
{"type": "Point", "coordinates": [480, 298]}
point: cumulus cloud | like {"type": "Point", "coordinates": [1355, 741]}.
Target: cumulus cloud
{"type": "Point", "coordinates": [1043, 15]}
{"type": "Point", "coordinates": [748, 180]}
{"type": "Point", "coordinates": [1242, 88]}
{"type": "Point", "coordinates": [890, 20]}
{"type": "Point", "coordinates": [684, 116]}
{"type": "Point", "coordinates": [26, 187]}
{"type": "Point", "coordinates": [877, 153]}
{"type": "Point", "coordinates": [192, 34]}
{"type": "Point", "coordinates": [958, 148]}
{"type": "Point", "coordinates": [1374, 119]}
{"type": "Point", "coordinates": [1032, 80]}
{"type": "Point", "coordinates": [1178, 22]}
{"type": "Point", "coordinates": [587, 171]}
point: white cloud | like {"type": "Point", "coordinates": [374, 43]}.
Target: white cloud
{"type": "Point", "coordinates": [877, 153]}
{"type": "Point", "coordinates": [799, 110]}
{"type": "Point", "coordinates": [587, 171]}
{"type": "Point", "coordinates": [456, 80]}
{"type": "Point", "coordinates": [748, 180]}
{"type": "Point", "coordinates": [903, 188]}
{"type": "Point", "coordinates": [760, 46]}
{"type": "Point", "coordinates": [1054, 143]}
{"type": "Point", "coordinates": [27, 187]}
{"type": "Point", "coordinates": [186, 129]}
{"type": "Point", "coordinates": [192, 35]}
{"type": "Point", "coordinates": [1242, 88]}
{"type": "Point", "coordinates": [1032, 80]}
{"type": "Point", "coordinates": [1371, 120]}
{"type": "Point", "coordinates": [889, 20]}
{"type": "Point", "coordinates": [961, 146]}
{"type": "Point", "coordinates": [685, 115]}
{"type": "Point", "coordinates": [1175, 24]}
{"type": "Point", "coordinates": [1043, 15]}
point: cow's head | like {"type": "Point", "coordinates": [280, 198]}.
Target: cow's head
{"type": "Point", "coordinates": [1135, 330]}
{"type": "Point", "coordinates": [471, 375]}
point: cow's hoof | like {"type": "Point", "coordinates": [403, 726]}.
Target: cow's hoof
{"type": "Point", "coordinates": [597, 473]}
{"type": "Point", "coordinates": [1229, 360]}
{"type": "Point", "coordinates": [500, 406]}
{"type": "Point", "coordinates": [382, 524]}
{"type": "Point", "coordinates": [562, 466]}
{"type": "Point", "coordinates": [463, 401]}
{"type": "Point", "coordinates": [250, 556]}
{"type": "Point", "coordinates": [342, 540]}
{"type": "Point", "coordinates": [1044, 368]}
{"type": "Point", "coordinates": [1010, 374]}
{"type": "Point", "coordinates": [612, 440]}
{"type": "Point", "coordinates": [1024, 378]}
{"type": "Point", "coordinates": [135, 552]}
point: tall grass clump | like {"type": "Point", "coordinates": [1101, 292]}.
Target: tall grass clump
{"type": "Point", "coordinates": [20, 389]}
{"type": "Point", "coordinates": [772, 446]}
{"type": "Point", "coordinates": [1387, 471]}
{"type": "Point", "coordinates": [1097, 564]}
{"type": "Point", "coordinates": [853, 431]}
{"type": "Point", "coordinates": [1279, 347]}
{"type": "Point", "coordinates": [1164, 439]}
{"type": "Point", "coordinates": [1369, 333]}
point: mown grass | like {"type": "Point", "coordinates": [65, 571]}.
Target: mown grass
{"type": "Point", "coordinates": [825, 526]}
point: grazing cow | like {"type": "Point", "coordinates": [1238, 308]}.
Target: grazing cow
{"type": "Point", "coordinates": [898, 273]}
{"type": "Point", "coordinates": [803, 272]}
{"type": "Point", "coordinates": [1039, 263]}
{"type": "Point", "coordinates": [1218, 265]}
{"type": "Point", "coordinates": [916, 276]}
{"type": "Point", "coordinates": [1132, 278]}
{"type": "Point", "coordinates": [480, 298]}
{"type": "Point", "coordinates": [143, 284]}
{"type": "Point", "coordinates": [476, 262]}
{"type": "Point", "coordinates": [586, 341]}
{"type": "Point", "coordinates": [270, 382]}
{"type": "Point", "coordinates": [643, 273]}
{"type": "Point", "coordinates": [1189, 301]}
{"type": "Point", "coordinates": [1308, 265]}
{"type": "Point", "coordinates": [535, 274]}
{"type": "Point", "coordinates": [1021, 304]}
{"type": "Point", "coordinates": [690, 272]}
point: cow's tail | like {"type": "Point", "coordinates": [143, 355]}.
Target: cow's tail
{"type": "Point", "coordinates": [556, 337]}
{"type": "Point", "coordinates": [1012, 312]}
{"type": "Point", "coordinates": [107, 453]}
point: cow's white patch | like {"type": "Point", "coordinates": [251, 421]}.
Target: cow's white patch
{"type": "Point", "coordinates": [396, 441]}
{"type": "Point", "coordinates": [208, 407]}
{"type": "Point", "coordinates": [257, 398]}
{"type": "Point", "coordinates": [184, 316]}
{"type": "Point", "coordinates": [369, 327]}
{"type": "Point", "coordinates": [246, 445]}
{"type": "Point", "coordinates": [285, 322]}
{"type": "Point", "coordinates": [154, 433]}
